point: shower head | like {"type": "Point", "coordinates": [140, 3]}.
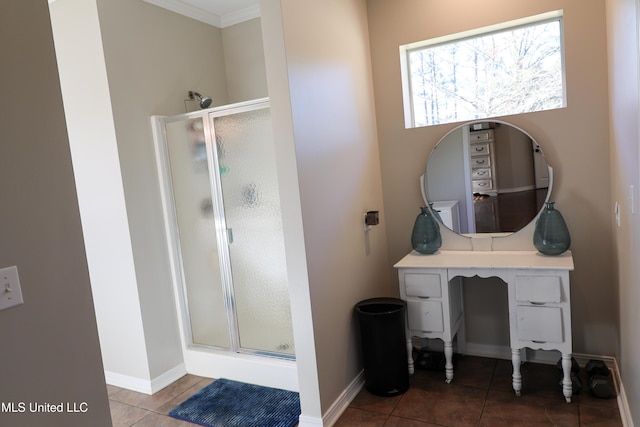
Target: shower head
{"type": "Point", "coordinates": [205, 101]}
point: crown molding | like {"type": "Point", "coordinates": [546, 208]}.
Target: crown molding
{"type": "Point", "coordinates": [189, 11]}
{"type": "Point", "coordinates": [202, 15]}
{"type": "Point", "coordinates": [240, 16]}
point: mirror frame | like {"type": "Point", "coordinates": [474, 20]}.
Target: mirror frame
{"type": "Point", "coordinates": [424, 184]}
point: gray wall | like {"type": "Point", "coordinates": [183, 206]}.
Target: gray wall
{"type": "Point", "coordinates": [50, 351]}
{"type": "Point", "coordinates": [244, 61]}
{"type": "Point", "coordinates": [153, 58]}
{"type": "Point", "coordinates": [622, 24]}
{"type": "Point", "coordinates": [319, 76]}
{"type": "Point", "coordinates": [514, 155]}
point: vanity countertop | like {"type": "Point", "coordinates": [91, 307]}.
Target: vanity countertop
{"type": "Point", "coordinates": [487, 259]}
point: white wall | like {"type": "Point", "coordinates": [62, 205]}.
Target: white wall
{"type": "Point", "coordinates": [123, 61]}
{"type": "Point", "coordinates": [50, 350]}
{"type": "Point", "coordinates": [624, 86]}
{"type": "Point", "coordinates": [318, 69]}
{"type": "Point", "coordinates": [97, 172]}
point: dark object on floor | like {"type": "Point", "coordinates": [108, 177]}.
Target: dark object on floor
{"type": "Point", "coordinates": [226, 403]}
{"type": "Point", "coordinates": [576, 384]}
{"type": "Point", "coordinates": [384, 347]}
{"type": "Point", "coordinates": [574, 365]}
{"type": "Point", "coordinates": [432, 360]}
{"type": "Point", "coordinates": [596, 367]}
{"type": "Point", "coordinates": [601, 386]}
{"type": "Point", "coordinates": [600, 382]}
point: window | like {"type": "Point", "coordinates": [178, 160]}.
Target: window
{"type": "Point", "coordinates": [512, 68]}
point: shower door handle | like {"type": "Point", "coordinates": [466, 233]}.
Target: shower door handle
{"type": "Point", "coordinates": [230, 235]}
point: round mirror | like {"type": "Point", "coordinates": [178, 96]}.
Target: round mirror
{"type": "Point", "coordinates": [486, 177]}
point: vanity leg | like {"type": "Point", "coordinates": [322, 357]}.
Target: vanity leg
{"type": "Point", "coordinates": [567, 388]}
{"type": "Point", "coordinates": [448, 357]}
{"type": "Point", "coordinates": [410, 354]}
{"type": "Point", "coordinates": [517, 377]}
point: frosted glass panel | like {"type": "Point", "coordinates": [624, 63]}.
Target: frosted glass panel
{"type": "Point", "coordinates": [248, 177]}
{"type": "Point", "coordinates": [196, 232]}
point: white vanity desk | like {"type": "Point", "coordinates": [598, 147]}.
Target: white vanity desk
{"type": "Point", "coordinates": [538, 294]}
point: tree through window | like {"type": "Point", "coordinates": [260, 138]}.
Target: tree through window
{"type": "Point", "coordinates": [516, 69]}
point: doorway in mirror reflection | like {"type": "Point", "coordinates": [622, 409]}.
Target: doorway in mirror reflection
{"type": "Point", "coordinates": [494, 172]}
{"type": "Point", "coordinates": [508, 212]}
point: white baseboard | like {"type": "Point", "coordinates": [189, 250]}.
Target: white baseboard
{"type": "Point", "coordinates": [167, 378]}
{"type": "Point", "coordinates": [339, 406]}
{"type": "Point", "coordinates": [343, 401]}
{"type": "Point", "coordinates": [612, 364]}
{"type": "Point", "coordinates": [305, 421]}
{"type": "Point", "coordinates": [623, 403]}
{"type": "Point", "coordinates": [145, 386]}
{"type": "Point", "coordinates": [140, 385]}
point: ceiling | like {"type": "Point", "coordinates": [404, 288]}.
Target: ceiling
{"type": "Point", "coordinates": [220, 13]}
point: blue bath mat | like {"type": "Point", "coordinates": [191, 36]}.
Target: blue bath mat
{"type": "Point", "coordinates": [226, 403]}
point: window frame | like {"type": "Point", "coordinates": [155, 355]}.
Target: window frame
{"type": "Point", "coordinates": [407, 49]}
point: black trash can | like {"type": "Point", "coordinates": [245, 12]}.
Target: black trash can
{"type": "Point", "coordinates": [384, 347]}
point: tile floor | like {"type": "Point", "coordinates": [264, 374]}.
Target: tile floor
{"type": "Point", "coordinates": [129, 408]}
{"type": "Point", "coordinates": [480, 395]}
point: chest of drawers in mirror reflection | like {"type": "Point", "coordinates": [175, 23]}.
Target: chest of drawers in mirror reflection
{"type": "Point", "coordinates": [482, 160]}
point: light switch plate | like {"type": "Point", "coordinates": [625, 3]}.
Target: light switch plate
{"type": "Point", "coordinates": [10, 292]}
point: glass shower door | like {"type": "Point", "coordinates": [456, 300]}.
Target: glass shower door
{"type": "Point", "coordinates": [225, 229]}
{"type": "Point", "coordinates": [247, 164]}
{"type": "Point", "coordinates": [195, 232]}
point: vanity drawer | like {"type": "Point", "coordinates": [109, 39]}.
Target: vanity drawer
{"type": "Point", "coordinates": [425, 316]}
{"type": "Point", "coordinates": [481, 135]}
{"type": "Point", "coordinates": [482, 184]}
{"type": "Point", "coordinates": [482, 173]}
{"type": "Point", "coordinates": [481, 162]}
{"type": "Point", "coordinates": [540, 324]}
{"type": "Point", "coordinates": [538, 289]}
{"type": "Point", "coordinates": [481, 149]}
{"type": "Point", "coordinates": [425, 285]}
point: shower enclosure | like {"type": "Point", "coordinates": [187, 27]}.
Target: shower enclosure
{"type": "Point", "coordinates": [224, 232]}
